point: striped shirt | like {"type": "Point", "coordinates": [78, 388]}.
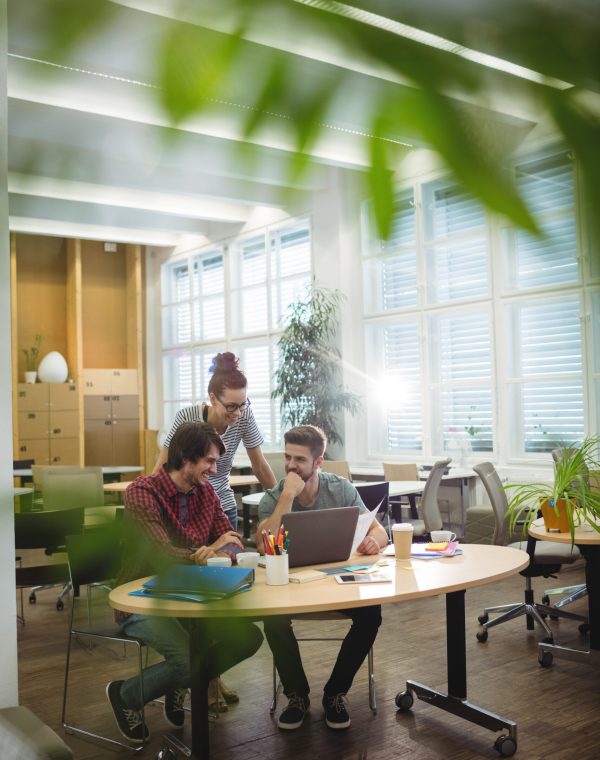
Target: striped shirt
{"type": "Point", "coordinates": [163, 524]}
{"type": "Point", "coordinates": [244, 429]}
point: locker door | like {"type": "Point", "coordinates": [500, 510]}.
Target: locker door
{"type": "Point", "coordinates": [98, 437]}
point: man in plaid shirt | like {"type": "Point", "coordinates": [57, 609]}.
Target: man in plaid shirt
{"type": "Point", "coordinates": [174, 515]}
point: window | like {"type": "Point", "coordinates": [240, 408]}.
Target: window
{"type": "Point", "coordinates": [232, 298]}
{"type": "Point", "coordinates": [508, 348]}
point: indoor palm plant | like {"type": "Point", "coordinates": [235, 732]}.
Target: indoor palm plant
{"type": "Point", "coordinates": [308, 382]}
{"type": "Point", "coordinates": [567, 502]}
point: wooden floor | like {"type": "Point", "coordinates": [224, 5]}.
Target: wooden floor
{"type": "Point", "coordinates": [556, 709]}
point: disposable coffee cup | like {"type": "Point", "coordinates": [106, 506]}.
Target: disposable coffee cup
{"type": "Point", "coordinates": [219, 561]}
{"type": "Point", "coordinates": [441, 536]}
{"type": "Point", "coordinates": [402, 534]}
{"type": "Point", "coordinates": [278, 569]}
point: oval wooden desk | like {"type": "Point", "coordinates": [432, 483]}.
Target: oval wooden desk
{"type": "Point", "coordinates": [588, 541]}
{"type": "Point", "coordinates": [412, 579]}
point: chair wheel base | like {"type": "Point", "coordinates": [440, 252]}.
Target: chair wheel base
{"type": "Point", "coordinates": [505, 746]}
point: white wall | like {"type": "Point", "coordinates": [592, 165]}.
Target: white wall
{"type": "Point", "coordinates": [8, 633]}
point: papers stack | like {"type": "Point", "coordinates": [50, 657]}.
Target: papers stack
{"type": "Point", "coordinates": [429, 551]}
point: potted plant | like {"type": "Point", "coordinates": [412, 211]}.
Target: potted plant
{"type": "Point", "coordinates": [31, 357]}
{"type": "Point", "coordinates": [308, 383]}
{"type": "Point", "coordinates": [567, 502]}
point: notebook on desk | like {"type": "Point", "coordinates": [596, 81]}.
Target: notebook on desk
{"type": "Point", "coordinates": [320, 535]}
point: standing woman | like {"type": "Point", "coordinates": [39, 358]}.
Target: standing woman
{"type": "Point", "coordinates": [230, 414]}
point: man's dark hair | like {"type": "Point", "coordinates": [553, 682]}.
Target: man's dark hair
{"type": "Point", "coordinates": [308, 435]}
{"type": "Point", "coordinates": [191, 442]}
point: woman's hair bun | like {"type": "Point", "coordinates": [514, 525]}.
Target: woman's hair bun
{"type": "Point", "coordinates": [225, 362]}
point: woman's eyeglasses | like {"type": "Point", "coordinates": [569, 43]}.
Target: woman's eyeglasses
{"type": "Point", "coordinates": [234, 407]}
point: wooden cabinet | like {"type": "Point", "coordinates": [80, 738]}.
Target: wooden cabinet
{"type": "Point", "coordinates": [111, 417]}
{"type": "Point", "coordinates": [86, 302]}
{"type": "Point", "coordinates": [48, 423]}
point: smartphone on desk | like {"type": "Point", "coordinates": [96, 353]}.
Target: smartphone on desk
{"type": "Point", "coordinates": [351, 578]}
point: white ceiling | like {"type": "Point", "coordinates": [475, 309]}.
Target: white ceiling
{"type": "Point", "coordinates": [91, 155]}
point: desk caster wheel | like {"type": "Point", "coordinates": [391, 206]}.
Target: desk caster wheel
{"type": "Point", "coordinates": [60, 605]}
{"type": "Point", "coordinates": [32, 598]}
{"type": "Point", "coordinates": [505, 746]}
{"type": "Point", "coordinates": [483, 618]}
{"type": "Point", "coordinates": [545, 659]}
{"type": "Point", "coordinates": [166, 754]}
{"type": "Point", "coordinates": [482, 636]}
{"type": "Point", "coordinates": [404, 701]}
{"type": "Point", "coordinates": [584, 628]}
{"type": "Point", "coordinates": [546, 600]}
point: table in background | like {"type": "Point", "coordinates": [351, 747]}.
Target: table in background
{"type": "Point", "coordinates": [588, 543]}
{"type": "Point", "coordinates": [397, 488]}
{"type": "Point", "coordinates": [108, 472]}
{"type": "Point", "coordinates": [19, 505]}
{"type": "Point", "coordinates": [412, 579]}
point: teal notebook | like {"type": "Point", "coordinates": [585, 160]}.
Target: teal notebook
{"type": "Point", "coordinates": [197, 583]}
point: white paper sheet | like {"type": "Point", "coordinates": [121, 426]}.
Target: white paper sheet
{"type": "Point", "coordinates": [362, 527]}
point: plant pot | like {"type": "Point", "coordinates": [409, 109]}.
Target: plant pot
{"type": "Point", "coordinates": [560, 522]}
{"type": "Point", "coordinates": [30, 376]}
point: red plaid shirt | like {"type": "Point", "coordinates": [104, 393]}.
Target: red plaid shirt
{"type": "Point", "coordinates": [167, 524]}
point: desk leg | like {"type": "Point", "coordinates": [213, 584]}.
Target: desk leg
{"type": "Point", "coordinates": [455, 701]}
{"type": "Point", "coordinates": [199, 692]}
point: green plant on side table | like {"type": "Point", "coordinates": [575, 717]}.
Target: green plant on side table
{"type": "Point", "coordinates": [571, 500]}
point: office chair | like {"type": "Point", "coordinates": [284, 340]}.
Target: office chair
{"type": "Point", "coordinates": [546, 559]}
{"type": "Point", "coordinates": [64, 488]}
{"type": "Point", "coordinates": [570, 593]}
{"type": "Point", "coordinates": [44, 530]}
{"type": "Point", "coordinates": [324, 616]}
{"type": "Point", "coordinates": [432, 519]}
{"type": "Point", "coordinates": [338, 467]}
{"type": "Point", "coordinates": [394, 471]}
{"type": "Point", "coordinates": [94, 558]}
{"type": "Point", "coordinates": [377, 494]}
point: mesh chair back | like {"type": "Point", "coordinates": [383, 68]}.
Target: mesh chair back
{"type": "Point", "coordinates": [394, 471]}
{"type": "Point", "coordinates": [497, 496]}
{"type": "Point", "coordinates": [338, 467]}
{"type": "Point", "coordinates": [429, 499]}
{"type": "Point", "coordinates": [68, 487]}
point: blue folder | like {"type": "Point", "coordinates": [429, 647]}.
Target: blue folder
{"type": "Point", "coordinates": [197, 583]}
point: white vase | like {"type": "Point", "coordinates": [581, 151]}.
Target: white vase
{"type": "Point", "coordinates": [53, 368]}
{"type": "Point", "coordinates": [30, 376]}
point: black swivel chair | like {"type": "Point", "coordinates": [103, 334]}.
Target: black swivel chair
{"type": "Point", "coordinates": [45, 530]}
{"type": "Point", "coordinates": [546, 559]}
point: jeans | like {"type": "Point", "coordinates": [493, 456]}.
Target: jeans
{"type": "Point", "coordinates": [233, 641]}
{"type": "Point", "coordinates": [232, 516]}
{"type": "Point", "coordinates": [355, 647]}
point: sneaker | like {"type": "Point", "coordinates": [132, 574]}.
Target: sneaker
{"type": "Point", "coordinates": [336, 714]}
{"type": "Point", "coordinates": [173, 707]}
{"type": "Point", "coordinates": [129, 722]}
{"type": "Point", "coordinates": [293, 715]}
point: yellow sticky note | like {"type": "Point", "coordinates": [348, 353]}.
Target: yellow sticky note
{"type": "Point", "coordinates": [436, 547]}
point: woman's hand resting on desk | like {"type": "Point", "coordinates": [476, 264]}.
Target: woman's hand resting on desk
{"type": "Point", "coordinates": [368, 545]}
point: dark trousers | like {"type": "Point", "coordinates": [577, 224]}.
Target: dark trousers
{"type": "Point", "coordinates": [355, 647]}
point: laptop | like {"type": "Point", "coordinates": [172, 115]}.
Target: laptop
{"type": "Point", "coordinates": [320, 535]}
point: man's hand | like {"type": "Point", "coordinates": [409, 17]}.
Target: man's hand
{"type": "Point", "coordinates": [229, 537]}
{"type": "Point", "coordinates": [293, 485]}
{"type": "Point", "coordinates": [368, 546]}
{"type": "Point", "coordinates": [202, 554]}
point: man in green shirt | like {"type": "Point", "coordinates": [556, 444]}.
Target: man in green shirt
{"type": "Point", "coordinates": [306, 487]}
